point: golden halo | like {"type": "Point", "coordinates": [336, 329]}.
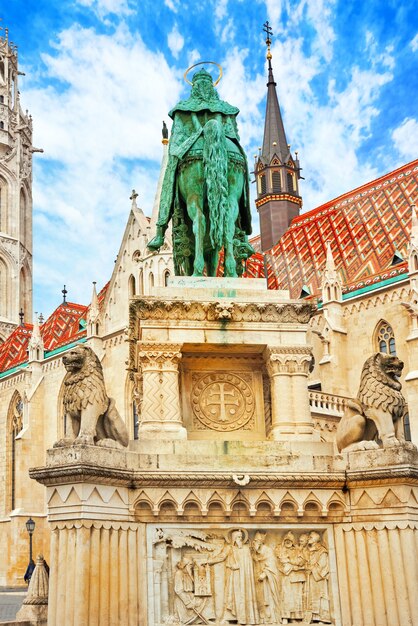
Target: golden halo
{"type": "Point", "coordinates": [203, 63]}
{"type": "Point", "coordinates": [231, 530]}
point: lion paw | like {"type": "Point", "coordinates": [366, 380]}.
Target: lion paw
{"type": "Point", "coordinates": [109, 443]}
{"type": "Point", "coordinates": [61, 443]}
{"type": "Point", "coordinates": [391, 442]}
{"type": "Point", "coordinates": [84, 440]}
{"type": "Point", "coordinates": [361, 445]}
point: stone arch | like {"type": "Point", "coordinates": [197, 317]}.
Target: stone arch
{"type": "Point", "coordinates": [140, 282]}
{"type": "Point", "coordinates": [14, 427]}
{"type": "Point", "coordinates": [131, 286]}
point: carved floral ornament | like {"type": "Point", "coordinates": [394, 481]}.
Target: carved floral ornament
{"type": "Point", "coordinates": [155, 355]}
{"type": "Point", "coordinates": [152, 308]}
{"type": "Point", "coordinates": [288, 360]}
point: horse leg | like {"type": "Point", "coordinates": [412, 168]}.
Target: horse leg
{"type": "Point", "coordinates": [212, 260]}
{"type": "Point", "coordinates": [236, 185]}
{"type": "Point", "coordinates": [199, 227]}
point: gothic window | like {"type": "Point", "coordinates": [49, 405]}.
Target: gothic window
{"type": "Point", "coordinates": [166, 277]}
{"type": "Point", "coordinates": [15, 424]}
{"type": "Point", "coordinates": [290, 186]}
{"type": "Point", "coordinates": [131, 286]}
{"type": "Point", "coordinates": [277, 183]}
{"type": "Point", "coordinates": [140, 283]}
{"type": "Point", "coordinates": [2, 125]}
{"type": "Point", "coordinates": [1, 97]}
{"type": "Point", "coordinates": [386, 339]}
{"type": "Point", "coordinates": [263, 186]}
{"type": "Point", "coordinates": [151, 280]}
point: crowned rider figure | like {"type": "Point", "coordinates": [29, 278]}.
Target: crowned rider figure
{"type": "Point", "coordinates": [205, 189]}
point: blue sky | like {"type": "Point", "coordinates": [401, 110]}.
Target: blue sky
{"type": "Point", "coordinates": [102, 74]}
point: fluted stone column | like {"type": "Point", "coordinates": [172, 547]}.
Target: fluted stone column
{"type": "Point", "coordinates": [160, 408]}
{"type": "Point", "coordinates": [288, 369]}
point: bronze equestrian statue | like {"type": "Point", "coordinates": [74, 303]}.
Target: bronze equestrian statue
{"type": "Point", "coordinates": [205, 190]}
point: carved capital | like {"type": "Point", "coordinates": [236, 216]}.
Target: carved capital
{"type": "Point", "coordinates": [159, 356]}
{"type": "Point", "coordinates": [288, 360]}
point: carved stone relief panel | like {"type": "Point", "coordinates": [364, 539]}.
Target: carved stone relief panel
{"type": "Point", "coordinates": [241, 575]}
{"type": "Point", "coordinates": [223, 396]}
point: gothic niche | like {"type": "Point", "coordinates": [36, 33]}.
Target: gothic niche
{"type": "Point", "coordinates": [239, 576]}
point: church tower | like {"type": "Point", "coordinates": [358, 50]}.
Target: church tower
{"type": "Point", "coordinates": [276, 172]}
{"type": "Point", "coordinates": [15, 195]}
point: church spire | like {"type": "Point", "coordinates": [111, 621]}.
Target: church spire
{"type": "Point", "coordinates": [276, 171]}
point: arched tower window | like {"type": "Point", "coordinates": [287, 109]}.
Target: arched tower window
{"type": "Point", "coordinates": [385, 338]}
{"type": "Point", "coordinates": [166, 277]}
{"type": "Point", "coordinates": [151, 280]}
{"type": "Point", "coordinates": [2, 125]}
{"type": "Point", "coordinates": [290, 186]}
{"type": "Point", "coordinates": [276, 182]}
{"type": "Point", "coordinates": [14, 426]}
{"type": "Point", "coordinates": [263, 185]}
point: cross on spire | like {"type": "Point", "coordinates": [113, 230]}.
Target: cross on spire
{"type": "Point", "coordinates": [64, 293]}
{"type": "Point", "coordinates": [269, 32]}
{"type": "Point", "coordinates": [22, 317]}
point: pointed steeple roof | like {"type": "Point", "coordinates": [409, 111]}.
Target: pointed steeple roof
{"type": "Point", "coordinates": [274, 141]}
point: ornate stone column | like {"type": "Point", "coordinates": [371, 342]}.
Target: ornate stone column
{"type": "Point", "coordinates": [160, 409]}
{"type": "Point", "coordinates": [288, 369]}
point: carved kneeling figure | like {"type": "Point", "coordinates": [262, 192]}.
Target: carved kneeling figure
{"type": "Point", "coordinates": [91, 416]}
{"type": "Point", "coordinates": [379, 409]}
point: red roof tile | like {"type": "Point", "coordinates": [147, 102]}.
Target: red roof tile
{"type": "Point", "coordinates": [364, 227]}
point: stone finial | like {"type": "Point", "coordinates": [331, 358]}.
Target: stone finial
{"type": "Point", "coordinates": [34, 609]}
{"type": "Point", "coordinates": [133, 197]}
{"type": "Point", "coordinates": [330, 264]}
{"type": "Point", "coordinates": [331, 281]}
{"type": "Point", "coordinates": [39, 583]}
{"type": "Point", "coordinates": [94, 311]}
{"type": "Point", "coordinates": [36, 344]}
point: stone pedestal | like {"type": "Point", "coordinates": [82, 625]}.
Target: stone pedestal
{"type": "Point", "coordinates": [149, 535]}
{"type": "Point", "coordinates": [221, 358]}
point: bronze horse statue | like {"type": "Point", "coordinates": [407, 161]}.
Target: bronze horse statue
{"type": "Point", "coordinates": [205, 190]}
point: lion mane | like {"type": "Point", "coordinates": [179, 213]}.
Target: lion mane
{"type": "Point", "coordinates": [91, 416]}
{"type": "Point", "coordinates": [377, 413]}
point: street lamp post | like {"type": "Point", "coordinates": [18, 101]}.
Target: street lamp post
{"type": "Point", "coordinates": [30, 527]}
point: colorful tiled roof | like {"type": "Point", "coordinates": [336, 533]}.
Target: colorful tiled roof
{"type": "Point", "coordinates": [366, 227]}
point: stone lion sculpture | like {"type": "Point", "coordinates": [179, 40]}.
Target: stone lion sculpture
{"type": "Point", "coordinates": [91, 416]}
{"type": "Point", "coordinates": [378, 411]}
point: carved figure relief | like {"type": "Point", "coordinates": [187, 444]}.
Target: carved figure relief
{"type": "Point", "coordinates": [239, 576]}
{"type": "Point", "coordinates": [222, 401]}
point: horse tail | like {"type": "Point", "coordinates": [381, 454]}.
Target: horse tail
{"type": "Point", "coordinates": [215, 161]}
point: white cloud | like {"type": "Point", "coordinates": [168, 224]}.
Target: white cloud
{"type": "Point", "coordinates": [98, 120]}
{"type": "Point", "coordinates": [414, 43]}
{"type": "Point", "coordinates": [172, 5]}
{"type": "Point", "coordinates": [175, 42]}
{"type": "Point", "coordinates": [221, 9]}
{"type": "Point", "coordinates": [102, 8]}
{"type": "Point", "coordinates": [405, 138]}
